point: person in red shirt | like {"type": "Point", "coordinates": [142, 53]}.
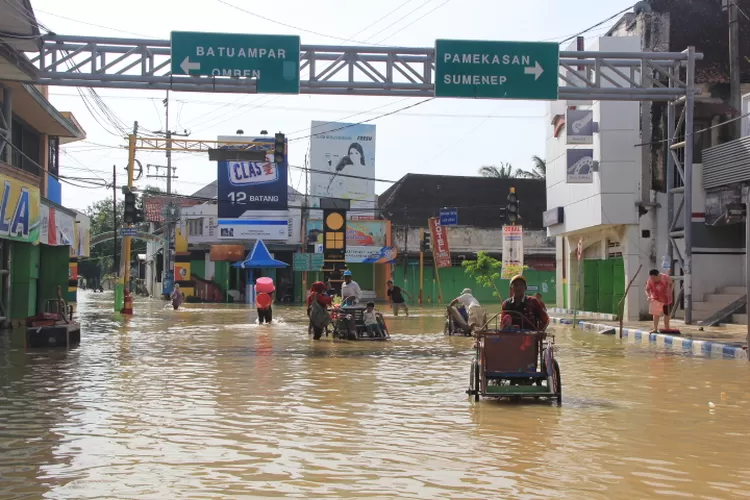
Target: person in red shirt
{"type": "Point", "coordinates": [529, 312]}
{"type": "Point", "coordinates": [659, 290]}
{"type": "Point", "coordinates": [318, 292]}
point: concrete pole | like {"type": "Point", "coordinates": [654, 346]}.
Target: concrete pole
{"type": "Point", "coordinates": [746, 192]}
{"type": "Point", "coordinates": [735, 93]}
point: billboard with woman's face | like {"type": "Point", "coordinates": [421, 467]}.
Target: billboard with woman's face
{"type": "Point", "coordinates": [342, 163]}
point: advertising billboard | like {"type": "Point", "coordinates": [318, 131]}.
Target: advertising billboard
{"type": "Point", "coordinates": [342, 163]}
{"type": "Point", "coordinates": [247, 186]}
{"type": "Point", "coordinates": [364, 233]}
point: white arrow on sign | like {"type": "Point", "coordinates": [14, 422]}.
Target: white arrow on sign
{"type": "Point", "coordinates": [187, 65]}
{"type": "Point", "coordinates": [536, 70]}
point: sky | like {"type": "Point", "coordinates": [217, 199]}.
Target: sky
{"type": "Point", "coordinates": [442, 136]}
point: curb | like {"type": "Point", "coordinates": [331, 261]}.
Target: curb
{"type": "Point", "coordinates": [700, 347]}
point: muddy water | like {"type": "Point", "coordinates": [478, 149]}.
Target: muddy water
{"type": "Point", "coordinates": [199, 403]}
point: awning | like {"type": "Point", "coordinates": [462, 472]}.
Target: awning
{"type": "Point", "coordinates": [32, 107]}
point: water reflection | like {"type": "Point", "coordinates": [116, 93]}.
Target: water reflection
{"type": "Point", "coordinates": [202, 403]}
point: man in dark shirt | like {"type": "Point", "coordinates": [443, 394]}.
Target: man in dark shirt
{"type": "Point", "coordinates": [396, 297]}
{"type": "Point", "coordinates": [529, 313]}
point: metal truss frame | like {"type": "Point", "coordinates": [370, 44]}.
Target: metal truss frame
{"type": "Point", "coordinates": [126, 63]}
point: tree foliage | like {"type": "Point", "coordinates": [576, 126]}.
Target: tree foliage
{"type": "Point", "coordinates": [538, 170]}
{"type": "Point", "coordinates": [485, 271]}
{"type": "Point", "coordinates": [102, 217]}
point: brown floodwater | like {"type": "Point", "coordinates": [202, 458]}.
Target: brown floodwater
{"type": "Point", "coordinates": [200, 403]}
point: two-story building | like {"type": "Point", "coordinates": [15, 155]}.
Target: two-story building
{"type": "Point", "coordinates": [480, 205]}
{"type": "Point", "coordinates": [618, 220]}
{"type": "Point", "coordinates": [40, 240]}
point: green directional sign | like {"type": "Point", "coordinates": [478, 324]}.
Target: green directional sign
{"type": "Point", "coordinates": [307, 262]}
{"type": "Point", "coordinates": [496, 70]}
{"type": "Point", "coordinates": [272, 60]}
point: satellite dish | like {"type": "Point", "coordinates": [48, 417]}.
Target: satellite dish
{"type": "Point", "coordinates": [642, 7]}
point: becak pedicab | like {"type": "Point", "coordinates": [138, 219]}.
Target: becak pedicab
{"type": "Point", "coordinates": [348, 320]}
{"type": "Point", "coordinates": [456, 321]}
{"type": "Point", "coordinates": [516, 358]}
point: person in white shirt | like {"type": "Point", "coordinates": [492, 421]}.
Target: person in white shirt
{"type": "Point", "coordinates": [477, 314]}
{"type": "Point", "coordinates": [350, 288]}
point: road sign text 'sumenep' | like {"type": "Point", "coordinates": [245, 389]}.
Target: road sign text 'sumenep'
{"type": "Point", "coordinates": [496, 70]}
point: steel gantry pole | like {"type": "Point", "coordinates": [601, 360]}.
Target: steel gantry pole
{"type": "Point", "coordinates": [688, 196]}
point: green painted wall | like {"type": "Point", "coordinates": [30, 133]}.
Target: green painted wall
{"type": "Point", "coordinates": [364, 275]}
{"type": "Point", "coordinates": [198, 268]}
{"type": "Point", "coordinates": [24, 275]}
{"type": "Point", "coordinates": [54, 264]}
{"type": "Point", "coordinates": [221, 274]}
{"type": "Point", "coordinates": [455, 279]}
{"type": "Point", "coordinates": [603, 285]}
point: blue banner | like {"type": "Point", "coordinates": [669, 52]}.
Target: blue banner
{"type": "Point", "coordinates": [247, 186]}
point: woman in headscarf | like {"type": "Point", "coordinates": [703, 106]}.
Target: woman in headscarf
{"type": "Point", "coordinates": [177, 296]}
{"type": "Point", "coordinates": [319, 318]}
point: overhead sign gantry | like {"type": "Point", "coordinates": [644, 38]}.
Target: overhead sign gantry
{"type": "Point", "coordinates": [454, 68]}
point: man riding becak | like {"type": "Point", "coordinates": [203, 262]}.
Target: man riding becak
{"type": "Point", "coordinates": [477, 314]}
{"type": "Point", "coordinates": [529, 313]}
{"type": "Point", "coordinates": [351, 293]}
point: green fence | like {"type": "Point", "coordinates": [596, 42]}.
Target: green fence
{"type": "Point", "coordinates": [455, 279]}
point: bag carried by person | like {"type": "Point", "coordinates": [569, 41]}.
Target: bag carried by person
{"type": "Point", "coordinates": [319, 316]}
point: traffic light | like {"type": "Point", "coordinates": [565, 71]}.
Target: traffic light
{"type": "Point", "coordinates": [511, 209]}
{"type": "Point", "coordinates": [131, 214]}
{"type": "Point", "coordinates": [424, 245]}
{"type": "Point", "coordinates": [279, 148]}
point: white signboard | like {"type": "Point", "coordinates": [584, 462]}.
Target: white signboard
{"type": "Point", "coordinates": [342, 163]}
{"type": "Point", "coordinates": [253, 229]}
{"type": "Point", "coordinates": [512, 252]}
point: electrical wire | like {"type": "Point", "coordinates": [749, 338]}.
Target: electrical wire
{"type": "Point", "coordinates": [364, 121]}
{"type": "Point", "coordinates": [413, 22]}
{"type": "Point", "coordinates": [597, 24]}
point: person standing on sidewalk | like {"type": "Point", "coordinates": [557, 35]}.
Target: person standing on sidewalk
{"type": "Point", "coordinates": [659, 290]}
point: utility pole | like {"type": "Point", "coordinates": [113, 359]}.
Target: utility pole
{"type": "Point", "coordinates": [168, 228]}
{"type": "Point", "coordinates": [735, 93]}
{"type": "Point", "coordinates": [114, 217]}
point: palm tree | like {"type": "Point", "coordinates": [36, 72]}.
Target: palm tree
{"type": "Point", "coordinates": [538, 171]}
{"type": "Point", "coordinates": [504, 171]}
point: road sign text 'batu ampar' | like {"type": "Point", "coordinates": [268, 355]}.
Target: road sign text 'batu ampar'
{"type": "Point", "coordinates": [271, 60]}
{"type": "Point", "coordinates": [496, 70]}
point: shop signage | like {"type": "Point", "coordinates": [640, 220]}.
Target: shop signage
{"type": "Point", "coordinates": [553, 216]}
{"type": "Point", "coordinates": [19, 211]}
{"type": "Point", "coordinates": [440, 250]}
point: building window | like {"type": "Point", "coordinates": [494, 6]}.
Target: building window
{"type": "Point", "coordinates": [53, 156]}
{"type": "Point", "coordinates": [195, 227]}
{"type": "Point", "coordinates": [25, 148]}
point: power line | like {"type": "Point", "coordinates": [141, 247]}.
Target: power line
{"type": "Point", "coordinates": [597, 24]}
{"type": "Point", "coordinates": [414, 21]}
{"type": "Point", "coordinates": [364, 121]}
{"type": "Point", "coordinates": [296, 28]}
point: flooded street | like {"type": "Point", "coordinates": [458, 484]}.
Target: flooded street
{"type": "Point", "coordinates": [200, 403]}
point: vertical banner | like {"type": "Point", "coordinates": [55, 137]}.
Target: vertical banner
{"type": "Point", "coordinates": [440, 250]}
{"type": "Point", "coordinates": [512, 252]}
{"type": "Point", "coordinates": [342, 162]}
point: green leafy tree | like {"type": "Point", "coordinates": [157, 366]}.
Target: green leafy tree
{"type": "Point", "coordinates": [103, 221]}
{"type": "Point", "coordinates": [485, 271]}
